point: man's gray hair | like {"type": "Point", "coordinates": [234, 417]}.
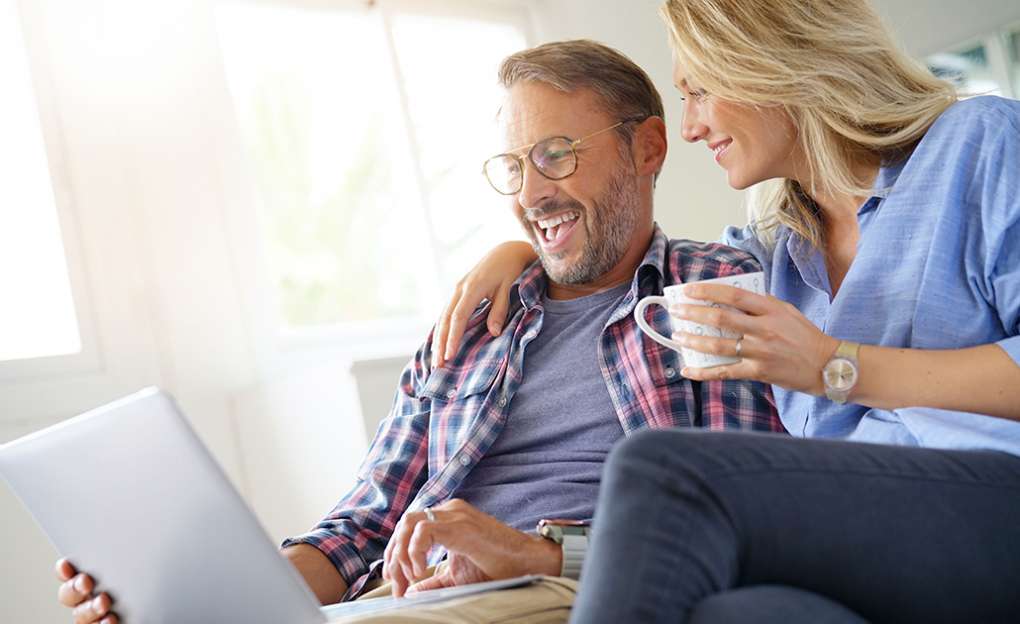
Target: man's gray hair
{"type": "Point", "coordinates": [626, 91]}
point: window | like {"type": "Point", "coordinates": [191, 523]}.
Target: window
{"type": "Point", "coordinates": [366, 128]}
{"type": "Point", "coordinates": [968, 69]}
{"type": "Point", "coordinates": [1013, 50]}
{"type": "Point", "coordinates": [988, 66]}
{"type": "Point", "coordinates": [37, 317]}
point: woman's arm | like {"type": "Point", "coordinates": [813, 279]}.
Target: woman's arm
{"type": "Point", "coordinates": [490, 279]}
{"type": "Point", "coordinates": [782, 347]}
{"type": "Point", "coordinates": [981, 380]}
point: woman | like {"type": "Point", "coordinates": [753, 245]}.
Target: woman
{"type": "Point", "coordinates": [888, 225]}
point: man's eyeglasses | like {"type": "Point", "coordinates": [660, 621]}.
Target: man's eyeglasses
{"type": "Point", "coordinates": [555, 158]}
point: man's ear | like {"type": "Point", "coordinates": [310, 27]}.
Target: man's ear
{"type": "Point", "coordinates": [648, 147]}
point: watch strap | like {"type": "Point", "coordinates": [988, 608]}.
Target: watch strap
{"type": "Point", "coordinates": [848, 351]}
{"type": "Point", "coordinates": [575, 547]}
{"type": "Point", "coordinates": [572, 538]}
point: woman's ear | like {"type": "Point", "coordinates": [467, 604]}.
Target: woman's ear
{"type": "Point", "coordinates": [648, 146]}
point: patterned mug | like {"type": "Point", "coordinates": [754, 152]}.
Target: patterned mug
{"type": "Point", "coordinates": [672, 295]}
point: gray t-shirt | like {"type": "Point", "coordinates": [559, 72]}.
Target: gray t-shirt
{"type": "Point", "coordinates": [547, 461]}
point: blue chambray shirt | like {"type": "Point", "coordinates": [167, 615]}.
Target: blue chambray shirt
{"type": "Point", "coordinates": [937, 267]}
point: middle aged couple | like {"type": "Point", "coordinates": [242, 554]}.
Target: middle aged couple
{"type": "Point", "coordinates": [890, 339]}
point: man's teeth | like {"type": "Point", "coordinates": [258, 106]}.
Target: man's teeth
{"type": "Point", "coordinates": [551, 226]}
{"type": "Point", "coordinates": [545, 224]}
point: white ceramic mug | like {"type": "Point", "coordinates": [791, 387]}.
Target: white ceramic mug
{"type": "Point", "coordinates": [672, 295]}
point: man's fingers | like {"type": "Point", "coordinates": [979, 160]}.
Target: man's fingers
{"type": "Point", "coordinates": [397, 567]}
{"type": "Point", "coordinates": [73, 591]}
{"type": "Point", "coordinates": [64, 570]}
{"type": "Point", "coordinates": [419, 546]}
{"type": "Point", "coordinates": [438, 581]}
{"type": "Point", "coordinates": [398, 581]}
{"type": "Point", "coordinates": [92, 610]}
{"type": "Point", "coordinates": [387, 555]}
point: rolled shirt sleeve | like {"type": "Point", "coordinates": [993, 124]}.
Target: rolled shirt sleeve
{"type": "Point", "coordinates": [356, 531]}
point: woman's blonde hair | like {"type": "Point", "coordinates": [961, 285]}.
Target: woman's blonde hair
{"type": "Point", "coordinates": [853, 96]}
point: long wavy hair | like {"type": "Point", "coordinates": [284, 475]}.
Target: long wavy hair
{"type": "Point", "coordinates": [854, 97]}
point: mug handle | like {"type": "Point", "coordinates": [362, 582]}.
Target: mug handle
{"type": "Point", "coordinates": [639, 316]}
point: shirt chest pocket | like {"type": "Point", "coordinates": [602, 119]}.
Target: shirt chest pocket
{"type": "Point", "coordinates": [458, 398]}
{"type": "Point", "coordinates": [448, 386]}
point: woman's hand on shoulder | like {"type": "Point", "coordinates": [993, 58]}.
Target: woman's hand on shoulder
{"type": "Point", "coordinates": [490, 279]}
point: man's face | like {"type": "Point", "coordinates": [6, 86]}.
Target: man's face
{"type": "Point", "coordinates": [581, 226]}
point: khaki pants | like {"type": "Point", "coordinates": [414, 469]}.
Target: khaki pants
{"type": "Point", "coordinates": [545, 602]}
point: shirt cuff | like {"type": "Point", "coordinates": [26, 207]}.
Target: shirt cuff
{"type": "Point", "coordinates": [338, 549]}
{"type": "Point", "coordinates": [1011, 346]}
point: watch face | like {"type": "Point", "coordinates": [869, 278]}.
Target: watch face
{"type": "Point", "coordinates": [840, 375]}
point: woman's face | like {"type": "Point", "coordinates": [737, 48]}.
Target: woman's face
{"type": "Point", "coordinates": [752, 143]}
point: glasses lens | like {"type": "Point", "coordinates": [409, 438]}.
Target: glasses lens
{"type": "Point", "coordinates": [504, 174]}
{"type": "Point", "coordinates": [554, 158]}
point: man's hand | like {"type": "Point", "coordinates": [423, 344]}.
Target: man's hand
{"type": "Point", "coordinates": [481, 548]}
{"type": "Point", "coordinates": [76, 592]}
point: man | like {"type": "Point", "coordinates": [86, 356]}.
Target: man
{"type": "Point", "coordinates": [475, 452]}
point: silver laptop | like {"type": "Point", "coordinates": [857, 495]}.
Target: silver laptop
{"type": "Point", "coordinates": [128, 490]}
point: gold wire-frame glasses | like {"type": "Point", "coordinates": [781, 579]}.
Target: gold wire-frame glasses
{"type": "Point", "coordinates": [555, 158]}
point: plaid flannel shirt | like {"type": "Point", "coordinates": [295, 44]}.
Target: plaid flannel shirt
{"type": "Point", "coordinates": [444, 420]}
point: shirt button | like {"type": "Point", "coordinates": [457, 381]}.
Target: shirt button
{"type": "Point", "coordinates": [502, 401]}
{"type": "Point", "coordinates": [464, 460]}
{"type": "Point", "coordinates": [671, 373]}
{"type": "Point", "coordinates": [451, 393]}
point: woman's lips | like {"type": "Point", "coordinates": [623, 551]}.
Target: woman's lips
{"type": "Point", "coordinates": [721, 149]}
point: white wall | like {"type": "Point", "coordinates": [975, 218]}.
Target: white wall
{"type": "Point", "coordinates": [930, 26]}
{"type": "Point", "coordinates": [163, 219]}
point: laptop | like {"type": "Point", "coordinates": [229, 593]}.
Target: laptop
{"type": "Point", "coordinates": [128, 490]}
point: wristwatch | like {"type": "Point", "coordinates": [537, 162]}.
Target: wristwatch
{"type": "Point", "coordinates": [840, 373]}
{"type": "Point", "coordinates": [572, 536]}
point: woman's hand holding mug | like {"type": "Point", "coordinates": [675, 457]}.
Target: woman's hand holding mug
{"type": "Point", "coordinates": [727, 328]}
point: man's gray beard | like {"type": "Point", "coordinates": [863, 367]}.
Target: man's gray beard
{"type": "Point", "coordinates": [615, 217]}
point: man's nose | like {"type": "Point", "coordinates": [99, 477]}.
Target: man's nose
{"type": "Point", "coordinates": [535, 187]}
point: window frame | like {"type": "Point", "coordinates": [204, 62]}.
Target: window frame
{"type": "Point", "coordinates": [89, 358]}
{"type": "Point", "coordinates": [994, 43]}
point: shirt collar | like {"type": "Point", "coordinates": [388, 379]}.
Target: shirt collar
{"type": "Point", "coordinates": [886, 179]}
{"type": "Point", "coordinates": [648, 277]}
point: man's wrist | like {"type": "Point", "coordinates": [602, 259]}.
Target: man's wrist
{"type": "Point", "coordinates": [318, 571]}
{"type": "Point", "coordinates": [571, 536]}
{"type": "Point", "coordinates": [549, 558]}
